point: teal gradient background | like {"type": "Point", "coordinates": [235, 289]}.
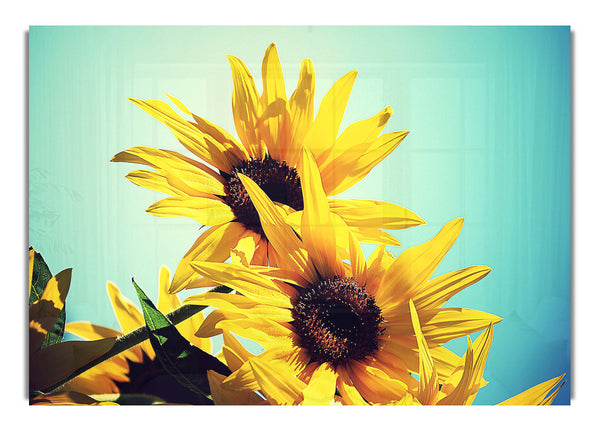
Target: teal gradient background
{"type": "Point", "coordinates": [489, 113]}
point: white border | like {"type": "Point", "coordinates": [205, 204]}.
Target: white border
{"type": "Point", "coordinates": [583, 21]}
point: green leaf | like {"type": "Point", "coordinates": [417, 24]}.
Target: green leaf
{"type": "Point", "coordinates": [40, 277]}
{"type": "Point", "coordinates": [184, 361]}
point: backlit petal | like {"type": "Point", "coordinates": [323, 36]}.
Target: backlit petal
{"type": "Point", "coordinates": [205, 211]}
{"type": "Point", "coordinates": [437, 291]}
{"type": "Point", "coordinates": [323, 133]}
{"type": "Point", "coordinates": [244, 280]}
{"type": "Point", "coordinates": [214, 245]}
{"type": "Point", "coordinates": [346, 172]}
{"type": "Point", "coordinates": [533, 396]}
{"type": "Point", "coordinates": [274, 123]}
{"type": "Point", "coordinates": [321, 387]}
{"type": "Point", "coordinates": [240, 304]}
{"type": "Point", "coordinates": [374, 214]}
{"type": "Point", "coordinates": [415, 266]}
{"type": "Point", "coordinates": [318, 235]}
{"type": "Point", "coordinates": [190, 137]}
{"type": "Point", "coordinates": [246, 108]}
{"type": "Point", "coordinates": [277, 383]}
{"type": "Point", "coordinates": [279, 233]}
{"type": "Point", "coordinates": [301, 108]}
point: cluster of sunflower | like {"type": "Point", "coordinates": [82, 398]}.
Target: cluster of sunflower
{"type": "Point", "coordinates": [280, 264]}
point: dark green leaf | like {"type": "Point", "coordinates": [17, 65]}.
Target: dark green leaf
{"type": "Point", "coordinates": [39, 278]}
{"type": "Point", "coordinates": [184, 361]}
{"type": "Point", "coordinates": [57, 332]}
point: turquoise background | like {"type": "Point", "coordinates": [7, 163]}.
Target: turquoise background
{"type": "Point", "coordinates": [490, 119]}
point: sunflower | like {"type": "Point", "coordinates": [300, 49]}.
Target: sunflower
{"type": "Point", "coordinates": [279, 385]}
{"type": "Point", "coordinates": [135, 370]}
{"type": "Point", "coordinates": [272, 129]}
{"type": "Point", "coordinates": [350, 320]}
{"type": "Point", "coordinates": [49, 365]}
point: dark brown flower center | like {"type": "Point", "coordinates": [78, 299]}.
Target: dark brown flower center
{"type": "Point", "coordinates": [337, 321]}
{"type": "Point", "coordinates": [280, 182]}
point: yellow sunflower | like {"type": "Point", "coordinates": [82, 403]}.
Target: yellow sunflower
{"type": "Point", "coordinates": [271, 129]}
{"type": "Point", "coordinates": [133, 370]}
{"type": "Point", "coordinates": [349, 320]}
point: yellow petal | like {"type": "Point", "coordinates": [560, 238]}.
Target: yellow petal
{"type": "Point", "coordinates": [460, 393]}
{"type": "Point", "coordinates": [323, 133]}
{"type": "Point", "coordinates": [415, 266]}
{"type": "Point", "coordinates": [44, 312]}
{"type": "Point", "coordinates": [301, 107]}
{"type": "Point", "coordinates": [153, 181]}
{"type": "Point", "coordinates": [378, 263]}
{"type": "Point", "coordinates": [289, 277]}
{"type": "Point", "coordinates": [246, 108]}
{"type": "Point", "coordinates": [222, 396]}
{"type": "Point", "coordinates": [234, 353]}
{"type": "Point", "coordinates": [374, 214]}
{"type": "Point", "coordinates": [405, 347]}
{"type": "Point", "coordinates": [550, 398]}
{"type": "Point", "coordinates": [205, 211]}
{"type": "Point", "coordinates": [195, 175]}
{"type": "Point", "coordinates": [214, 245]}
{"type": "Point", "coordinates": [31, 259]}
{"type": "Point", "coordinates": [321, 387]}
{"type": "Point", "coordinates": [127, 314]}
{"type": "Point", "coordinates": [346, 172]}
{"type": "Point", "coordinates": [350, 395]}
{"type": "Point", "coordinates": [89, 331]}
{"type": "Point", "coordinates": [354, 140]}
{"type": "Point", "coordinates": [72, 398]}
{"type": "Point", "coordinates": [533, 396]}
{"type": "Point", "coordinates": [437, 291]}
{"type": "Point", "coordinates": [277, 383]}
{"type": "Point", "coordinates": [243, 378]}
{"type": "Point", "coordinates": [318, 235]}
{"type": "Point", "coordinates": [279, 233]}
{"type": "Point", "coordinates": [215, 132]}
{"type": "Point", "coordinates": [166, 302]}
{"type": "Point", "coordinates": [373, 235]}
{"type": "Point", "coordinates": [243, 252]}
{"type": "Point", "coordinates": [50, 365]}
{"type": "Point", "coordinates": [209, 328]}
{"type": "Point", "coordinates": [190, 137]}
{"type": "Point", "coordinates": [274, 123]}
{"type": "Point", "coordinates": [357, 260]}
{"type": "Point", "coordinates": [240, 304]}
{"type": "Point", "coordinates": [267, 333]}
{"type": "Point", "coordinates": [375, 385]}
{"type": "Point", "coordinates": [255, 286]}
{"type": "Point", "coordinates": [428, 380]}
{"type": "Point", "coordinates": [440, 325]}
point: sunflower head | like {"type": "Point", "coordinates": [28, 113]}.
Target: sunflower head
{"type": "Point", "coordinates": [337, 321]}
{"type": "Point", "coordinates": [278, 180]}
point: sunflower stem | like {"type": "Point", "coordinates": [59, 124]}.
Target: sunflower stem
{"type": "Point", "coordinates": [137, 336]}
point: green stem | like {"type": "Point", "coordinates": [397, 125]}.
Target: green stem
{"type": "Point", "coordinates": [136, 337]}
